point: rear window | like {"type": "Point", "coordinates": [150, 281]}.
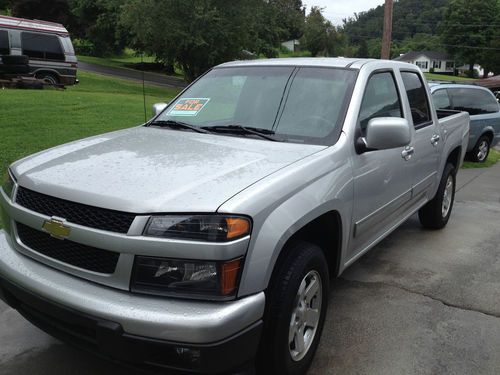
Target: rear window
{"type": "Point", "coordinates": [4, 43]}
{"type": "Point", "coordinates": [474, 101]}
{"type": "Point", "coordinates": [441, 99]}
{"type": "Point", "coordinates": [417, 97]}
{"type": "Point", "coordinates": [41, 46]}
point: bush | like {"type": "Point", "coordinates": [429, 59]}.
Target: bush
{"type": "Point", "coordinates": [83, 47]}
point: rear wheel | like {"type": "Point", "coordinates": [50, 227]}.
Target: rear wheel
{"type": "Point", "coordinates": [481, 150]}
{"type": "Point", "coordinates": [49, 78]}
{"type": "Point", "coordinates": [436, 213]}
{"type": "Point", "coordinates": [295, 313]}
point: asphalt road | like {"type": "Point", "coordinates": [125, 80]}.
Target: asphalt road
{"type": "Point", "coordinates": [134, 75]}
{"type": "Point", "coordinates": [421, 302]}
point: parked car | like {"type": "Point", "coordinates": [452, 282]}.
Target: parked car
{"type": "Point", "coordinates": [206, 238]}
{"type": "Point", "coordinates": [47, 45]}
{"type": "Point", "coordinates": [484, 112]}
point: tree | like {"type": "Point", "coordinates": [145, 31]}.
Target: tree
{"type": "Point", "coordinates": [467, 29]}
{"type": "Point", "coordinates": [316, 31]}
{"type": "Point", "coordinates": [46, 10]}
{"type": "Point", "coordinates": [290, 18]}
{"type": "Point", "coordinates": [363, 49]}
{"type": "Point", "coordinates": [98, 22]}
{"type": "Point", "coordinates": [196, 34]}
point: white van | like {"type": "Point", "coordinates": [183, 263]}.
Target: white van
{"type": "Point", "coordinates": [51, 56]}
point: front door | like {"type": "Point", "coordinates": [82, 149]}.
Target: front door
{"type": "Point", "coordinates": [382, 182]}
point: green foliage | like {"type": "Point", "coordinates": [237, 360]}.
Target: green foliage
{"type": "Point", "coordinates": [468, 30]}
{"type": "Point", "coordinates": [316, 32]}
{"type": "Point", "coordinates": [98, 24]}
{"type": "Point", "coordinates": [47, 10]}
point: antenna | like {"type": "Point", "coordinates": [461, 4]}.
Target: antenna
{"type": "Point", "coordinates": [143, 86]}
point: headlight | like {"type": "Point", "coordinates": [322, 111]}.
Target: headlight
{"type": "Point", "coordinates": [8, 184]}
{"type": "Point", "coordinates": [187, 278]}
{"type": "Point", "coordinates": [210, 228]}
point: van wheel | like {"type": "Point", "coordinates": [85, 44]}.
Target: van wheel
{"type": "Point", "coordinates": [436, 213]}
{"type": "Point", "coordinates": [49, 78]}
{"type": "Point", "coordinates": [296, 307]}
{"type": "Point", "coordinates": [481, 150]}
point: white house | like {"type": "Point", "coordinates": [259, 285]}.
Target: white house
{"type": "Point", "coordinates": [291, 45]}
{"type": "Point", "coordinates": [439, 62]}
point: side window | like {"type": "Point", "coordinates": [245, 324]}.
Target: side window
{"type": "Point", "coordinates": [4, 43]}
{"type": "Point", "coordinates": [381, 99]}
{"type": "Point", "coordinates": [417, 97]}
{"type": "Point", "coordinates": [41, 46]}
{"type": "Point", "coordinates": [474, 101]}
{"type": "Point", "coordinates": [441, 99]}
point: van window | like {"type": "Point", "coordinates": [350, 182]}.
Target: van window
{"type": "Point", "coordinates": [381, 99]}
{"type": "Point", "coordinates": [417, 97]}
{"type": "Point", "coordinates": [474, 101]}
{"type": "Point", "coordinates": [4, 43]}
{"type": "Point", "coordinates": [41, 46]}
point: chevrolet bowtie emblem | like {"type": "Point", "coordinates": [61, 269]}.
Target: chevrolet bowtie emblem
{"type": "Point", "coordinates": [56, 229]}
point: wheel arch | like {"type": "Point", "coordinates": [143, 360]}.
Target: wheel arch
{"type": "Point", "coordinates": [455, 156]}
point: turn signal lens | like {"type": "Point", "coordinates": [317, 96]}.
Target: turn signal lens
{"type": "Point", "coordinates": [237, 227]}
{"type": "Point", "coordinates": [229, 277]}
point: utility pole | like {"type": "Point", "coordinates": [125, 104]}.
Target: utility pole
{"type": "Point", "coordinates": [386, 39]}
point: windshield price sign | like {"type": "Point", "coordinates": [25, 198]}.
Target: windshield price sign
{"type": "Point", "coordinates": [188, 106]}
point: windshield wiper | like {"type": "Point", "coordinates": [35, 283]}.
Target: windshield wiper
{"type": "Point", "coordinates": [263, 133]}
{"type": "Point", "coordinates": [178, 124]}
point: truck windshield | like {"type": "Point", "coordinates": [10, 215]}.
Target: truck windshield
{"type": "Point", "coordinates": [300, 105]}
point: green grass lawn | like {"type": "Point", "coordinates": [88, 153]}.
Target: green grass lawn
{"type": "Point", "coordinates": [442, 77]}
{"type": "Point", "coordinates": [493, 158]}
{"type": "Point", "coordinates": [32, 120]}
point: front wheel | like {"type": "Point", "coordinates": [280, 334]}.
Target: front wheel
{"type": "Point", "coordinates": [481, 150]}
{"type": "Point", "coordinates": [436, 213]}
{"type": "Point", "coordinates": [297, 301]}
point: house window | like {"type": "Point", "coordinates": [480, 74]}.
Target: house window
{"type": "Point", "coordinates": [436, 64]}
{"type": "Point", "coordinates": [450, 65]}
{"type": "Point", "coordinates": [422, 64]}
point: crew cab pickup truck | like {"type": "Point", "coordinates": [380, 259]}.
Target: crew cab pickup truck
{"type": "Point", "coordinates": [204, 240]}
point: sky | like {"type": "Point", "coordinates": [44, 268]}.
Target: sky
{"type": "Point", "coordinates": [336, 10]}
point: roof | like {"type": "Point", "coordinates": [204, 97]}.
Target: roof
{"type": "Point", "coordinates": [32, 25]}
{"type": "Point", "coordinates": [433, 55]}
{"type": "Point", "coordinates": [450, 85]}
{"type": "Point", "coordinates": [491, 82]}
{"type": "Point", "coordinates": [336, 62]}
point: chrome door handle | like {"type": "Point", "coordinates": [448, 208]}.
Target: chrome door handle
{"type": "Point", "coordinates": [407, 153]}
{"type": "Point", "coordinates": [435, 139]}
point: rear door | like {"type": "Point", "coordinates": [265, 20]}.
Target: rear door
{"type": "Point", "coordinates": [382, 182]}
{"type": "Point", "coordinates": [425, 160]}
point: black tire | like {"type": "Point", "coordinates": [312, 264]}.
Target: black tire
{"type": "Point", "coordinates": [481, 150]}
{"type": "Point", "coordinates": [49, 78]}
{"type": "Point", "coordinates": [15, 59]}
{"type": "Point", "coordinates": [14, 69]}
{"type": "Point", "coordinates": [275, 352]}
{"type": "Point", "coordinates": [433, 215]}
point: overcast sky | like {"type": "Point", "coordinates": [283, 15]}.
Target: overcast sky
{"type": "Point", "coordinates": [336, 10]}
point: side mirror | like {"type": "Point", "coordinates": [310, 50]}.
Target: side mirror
{"type": "Point", "coordinates": [158, 108]}
{"type": "Point", "coordinates": [384, 133]}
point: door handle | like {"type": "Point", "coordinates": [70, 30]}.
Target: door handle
{"type": "Point", "coordinates": [435, 139]}
{"type": "Point", "coordinates": [407, 153]}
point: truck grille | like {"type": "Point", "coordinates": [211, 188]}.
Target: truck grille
{"type": "Point", "coordinates": [81, 214]}
{"type": "Point", "coordinates": [78, 255]}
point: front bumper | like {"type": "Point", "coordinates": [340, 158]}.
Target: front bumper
{"type": "Point", "coordinates": [187, 335]}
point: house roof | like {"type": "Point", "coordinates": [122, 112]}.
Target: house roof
{"type": "Point", "coordinates": [433, 55]}
{"type": "Point", "coordinates": [32, 25]}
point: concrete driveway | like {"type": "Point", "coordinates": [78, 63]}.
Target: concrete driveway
{"type": "Point", "coordinates": [421, 302]}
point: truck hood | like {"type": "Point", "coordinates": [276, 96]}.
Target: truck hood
{"type": "Point", "coordinates": [151, 170]}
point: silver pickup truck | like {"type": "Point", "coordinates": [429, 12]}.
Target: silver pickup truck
{"type": "Point", "coordinates": [204, 240]}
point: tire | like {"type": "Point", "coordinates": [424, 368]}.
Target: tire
{"type": "Point", "coordinates": [436, 213]}
{"type": "Point", "coordinates": [49, 78]}
{"type": "Point", "coordinates": [15, 59]}
{"type": "Point", "coordinates": [14, 69]}
{"type": "Point", "coordinates": [481, 150]}
{"type": "Point", "coordinates": [304, 266]}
